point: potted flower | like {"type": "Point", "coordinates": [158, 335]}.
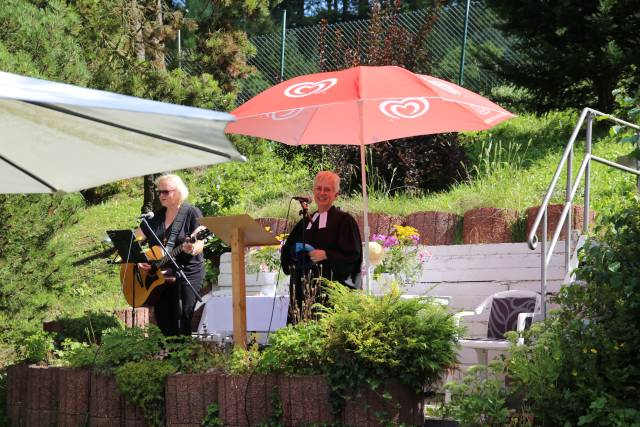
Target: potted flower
{"type": "Point", "coordinates": [402, 256]}
{"type": "Point", "coordinates": [264, 261]}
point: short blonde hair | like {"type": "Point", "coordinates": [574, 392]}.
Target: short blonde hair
{"type": "Point", "coordinates": [177, 181]}
{"type": "Point", "coordinates": [329, 176]}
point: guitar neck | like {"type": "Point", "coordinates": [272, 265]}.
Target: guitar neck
{"type": "Point", "coordinates": [174, 252]}
{"type": "Point", "coordinates": [203, 234]}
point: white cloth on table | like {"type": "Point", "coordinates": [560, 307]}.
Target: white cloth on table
{"type": "Point", "coordinates": [217, 315]}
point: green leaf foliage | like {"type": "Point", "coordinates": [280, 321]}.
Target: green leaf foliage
{"type": "Point", "coordinates": [296, 350]}
{"type": "Point", "coordinates": [28, 272]}
{"type": "Point", "coordinates": [143, 384]}
{"type": "Point", "coordinates": [42, 41]}
{"type": "Point", "coordinates": [576, 50]}
{"type": "Point", "coordinates": [481, 398]}
{"type": "Point", "coordinates": [370, 339]}
{"type": "Point", "coordinates": [582, 366]}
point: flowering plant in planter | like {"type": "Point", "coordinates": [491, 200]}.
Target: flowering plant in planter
{"type": "Point", "coordinates": [403, 257]}
{"type": "Point", "coordinates": [266, 258]}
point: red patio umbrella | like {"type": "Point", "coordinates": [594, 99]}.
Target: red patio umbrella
{"type": "Point", "coordinates": [360, 106]}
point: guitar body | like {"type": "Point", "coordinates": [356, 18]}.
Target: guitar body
{"type": "Point", "coordinates": [144, 287]}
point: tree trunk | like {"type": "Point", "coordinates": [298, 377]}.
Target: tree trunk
{"type": "Point", "coordinates": [345, 9]}
{"type": "Point", "coordinates": [156, 48]}
{"type": "Point", "coordinates": [605, 86]}
{"type": "Point", "coordinates": [157, 41]}
{"type": "Point", "coordinates": [136, 31]}
{"type": "Point", "coordinates": [363, 9]}
{"type": "Point", "coordinates": [150, 202]}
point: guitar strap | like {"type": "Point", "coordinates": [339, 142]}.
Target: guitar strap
{"type": "Point", "coordinates": [176, 226]}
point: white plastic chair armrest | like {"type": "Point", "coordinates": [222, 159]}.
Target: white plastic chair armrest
{"type": "Point", "coordinates": [465, 313]}
{"type": "Point", "coordinates": [522, 322]}
{"type": "Point", "coordinates": [457, 316]}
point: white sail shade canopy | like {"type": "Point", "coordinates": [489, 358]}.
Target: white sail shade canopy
{"type": "Point", "coordinates": [59, 137]}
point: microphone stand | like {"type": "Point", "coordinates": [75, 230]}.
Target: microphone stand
{"type": "Point", "coordinates": [179, 274]}
{"type": "Point", "coordinates": [304, 266]}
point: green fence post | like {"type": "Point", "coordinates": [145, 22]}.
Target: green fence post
{"type": "Point", "coordinates": [284, 37]}
{"type": "Point", "coordinates": [464, 43]}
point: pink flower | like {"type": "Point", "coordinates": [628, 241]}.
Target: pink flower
{"type": "Point", "coordinates": [378, 238]}
{"type": "Point", "coordinates": [390, 241]}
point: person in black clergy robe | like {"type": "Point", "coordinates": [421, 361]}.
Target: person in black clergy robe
{"type": "Point", "coordinates": [325, 245]}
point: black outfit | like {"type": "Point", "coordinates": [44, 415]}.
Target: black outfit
{"type": "Point", "coordinates": [167, 311]}
{"type": "Point", "coordinates": [340, 239]}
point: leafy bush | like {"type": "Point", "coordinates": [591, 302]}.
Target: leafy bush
{"type": "Point", "coordinates": [296, 350]}
{"type": "Point", "coordinates": [418, 164]}
{"type": "Point", "coordinates": [119, 346]}
{"type": "Point", "coordinates": [243, 361]}
{"type": "Point", "coordinates": [141, 360]}
{"type": "Point", "coordinates": [143, 384]}
{"type": "Point", "coordinates": [86, 328]}
{"type": "Point", "coordinates": [481, 399]}
{"type": "Point", "coordinates": [36, 347]}
{"type": "Point", "coordinates": [583, 366]}
{"type": "Point", "coordinates": [191, 355]}
{"type": "Point", "coordinates": [371, 339]}
{"type": "Point", "coordinates": [27, 268]}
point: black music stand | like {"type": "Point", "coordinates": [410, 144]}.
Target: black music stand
{"type": "Point", "coordinates": [127, 246]}
{"type": "Point", "coordinates": [130, 251]}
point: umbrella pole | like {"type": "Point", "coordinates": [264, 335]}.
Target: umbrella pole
{"type": "Point", "coordinates": [366, 280]}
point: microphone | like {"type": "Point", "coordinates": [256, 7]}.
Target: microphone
{"type": "Point", "coordinates": [147, 216]}
{"type": "Point", "coordinates": [301, 199]}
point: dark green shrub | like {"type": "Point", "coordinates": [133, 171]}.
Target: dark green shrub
{"type": "Point", "coordinates": [582, 366]}
{"type": "Point", "coordinates": [143, 384]}
{"type": "Point", "coordinates": [481, 398]}
{"type": "Point", "coordinates": [118, 346]}
{"type": "Point", "coordinates": [419, 164]}
{"type": "Point", "coordinates": [190, 355]}
{"type": "Point", "coordinates": [86, 328]}
{"type": "Point", "coordinates": [36, 347]}
{"type": "Point", "coordinates": [371, 339]}
{"type": "Point", "coordinates": [296, 350]}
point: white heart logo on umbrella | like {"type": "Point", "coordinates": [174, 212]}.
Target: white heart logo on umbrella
{"type": "Point", "coordinates": [285, 115]}
{"type": "Point", "coordinates": [494, 118]}
{"type": "Point", "coordinates": [300, 90]}
{"type": "Point", "coordinates": [441, 85]}
{"type": "Point", "coordinates": [406, 108]}
{"type": "Point", "coordinates": [481, 110]}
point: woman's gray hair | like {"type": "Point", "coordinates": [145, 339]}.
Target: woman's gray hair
{"type": "Point", "coordinates": [177, 181]}
{"type": "Point", "coordinates": [329, 176]}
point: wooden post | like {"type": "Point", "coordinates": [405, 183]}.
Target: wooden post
{"type": "Point", "coordinates": [239, 291]}
{"type": "Point", "coordinates": [239, 231]}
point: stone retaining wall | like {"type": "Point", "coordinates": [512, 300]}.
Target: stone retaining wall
{"type": "Point", "coordinates": [76, 397]}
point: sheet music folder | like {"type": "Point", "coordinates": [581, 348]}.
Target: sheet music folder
{"type": "Point", "coordinates": [127, 246]}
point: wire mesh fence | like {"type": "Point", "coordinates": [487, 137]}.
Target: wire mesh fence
{"type": "Point", "coordinates": [302, 48]}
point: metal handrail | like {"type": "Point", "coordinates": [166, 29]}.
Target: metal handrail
{"type": "Point", "coordinates": [546, 248]}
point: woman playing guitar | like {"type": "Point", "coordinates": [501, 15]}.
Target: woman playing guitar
{"type": "Point", "coordinates": [175, 224]}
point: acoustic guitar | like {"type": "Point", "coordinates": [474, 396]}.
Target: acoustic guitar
{"type": "Point", "coordinates": [142, 287]}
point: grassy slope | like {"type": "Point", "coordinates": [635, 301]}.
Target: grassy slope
{"type": "Point", "coordinates": [508, 175]}
{"type": "Point", "coordinates": [513, 165]}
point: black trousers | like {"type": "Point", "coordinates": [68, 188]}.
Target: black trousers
{"type": "Point", "coordinates": [171, 320]}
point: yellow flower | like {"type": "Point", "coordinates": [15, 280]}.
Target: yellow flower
{"type": "Point", "coordinates": [405, 233]}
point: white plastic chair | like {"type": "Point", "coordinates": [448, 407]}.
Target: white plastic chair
{"type": "Point", "coordinates": [504, 307]}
